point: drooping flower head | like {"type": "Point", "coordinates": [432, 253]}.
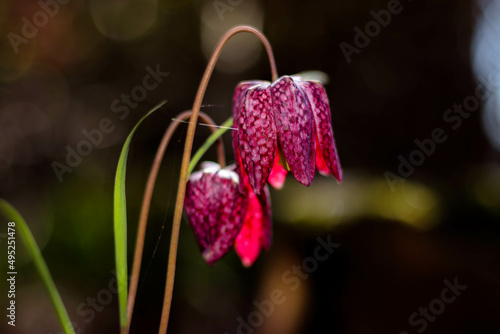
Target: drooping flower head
{"type": "Point", "coordinates": [215, 209]}
{"type": "Point", "coordinates": [283, 124]}
{"type": "Point", "coordinates": [221, 214]}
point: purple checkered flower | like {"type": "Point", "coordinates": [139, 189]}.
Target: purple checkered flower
{"type": "Point", "coordinates": [221, 214]}
{"type": "Point", "coordinates": [287, 121]}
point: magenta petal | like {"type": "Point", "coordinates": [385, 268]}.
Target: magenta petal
{"type": "Point", "coordinates": [239, 94]}
{"type": "Point", "coordinates": [238, 100]}
{"type": "Point", "coordinates": [257, 135]}
{"type": "Point", "coordinates": [256, 231]}
{"type": "Point", "coordinates": [216, 210]}
{"type": "Point", "coordinates": [318, 99]}
{"type": "Point", "coordinates": [320, 162]}
{"type": "Point", "coordinates": [295, 128]}
{"type": "Point", "coordinates": [241, 88]}
{"type": "Point", "coordinates": [278, 174]}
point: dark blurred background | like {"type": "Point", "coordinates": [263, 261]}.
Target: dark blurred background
{"type": "Point", "coordinates": [410, 221]}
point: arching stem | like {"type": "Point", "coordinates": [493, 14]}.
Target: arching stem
{"type": "Point", "coordinates": [172, 256]}
{"type": "Point", "coordinates": [148, 194]}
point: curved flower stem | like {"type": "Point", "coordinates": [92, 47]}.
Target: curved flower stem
{"type": "Point", "coordinates": [209, 142]}
{"type": "Point", "coordinates": [172, 256]}
{"type": "Point", "coordinates": [148, 193]}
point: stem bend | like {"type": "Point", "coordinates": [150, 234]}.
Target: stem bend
{"type": "Point", "coordinates": [172, 256]}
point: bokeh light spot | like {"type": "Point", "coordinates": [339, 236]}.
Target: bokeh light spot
{"type": "Point", "coordinates": [124, 20]}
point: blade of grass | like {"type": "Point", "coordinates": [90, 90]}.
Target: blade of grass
{"type": "Point", "coordinates": [120, 224]}
{"type": "Point", "coordinates": [208, 143]}
{"type": "Point", "coordinates": [13, 215]}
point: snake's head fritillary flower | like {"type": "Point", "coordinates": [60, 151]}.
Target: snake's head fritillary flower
{"type": "Point", "coordinates": [215, 208]}
{"type": "Point", "coordinates": [288, 119]}
{"type": "Point", "coordinates": [222, 214]}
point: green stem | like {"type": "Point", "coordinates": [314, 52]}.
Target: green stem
{"type": "Point", "coordinates": [208, 143]}
{"type": "Point", "coordinates": [11, 213]}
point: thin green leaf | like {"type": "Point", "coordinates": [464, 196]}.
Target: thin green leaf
{"type": "Point", "coordinates": [208, 143]}
{"type": "Point", "coordinates": [120, 223]}
{"type": "Point", "coordinates": [20, 225]}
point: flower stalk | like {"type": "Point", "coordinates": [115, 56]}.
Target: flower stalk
{"type": "Point", "coordinates": [148, 194]}
{"type": "Point", "coordinates": [169, 286]}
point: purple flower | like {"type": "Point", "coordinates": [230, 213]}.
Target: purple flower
{"type": "Point", "coordinates": [288, 120]}
{"type": "Point", "coordinates": [221, 214]}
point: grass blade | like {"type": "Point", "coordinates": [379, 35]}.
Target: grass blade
{"type": "Point", "coordinates": [120, 224]}
{"type": "Point", "coordinates": [208, 143]}
{"type": "Point", "coordinates": [13, 215]}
